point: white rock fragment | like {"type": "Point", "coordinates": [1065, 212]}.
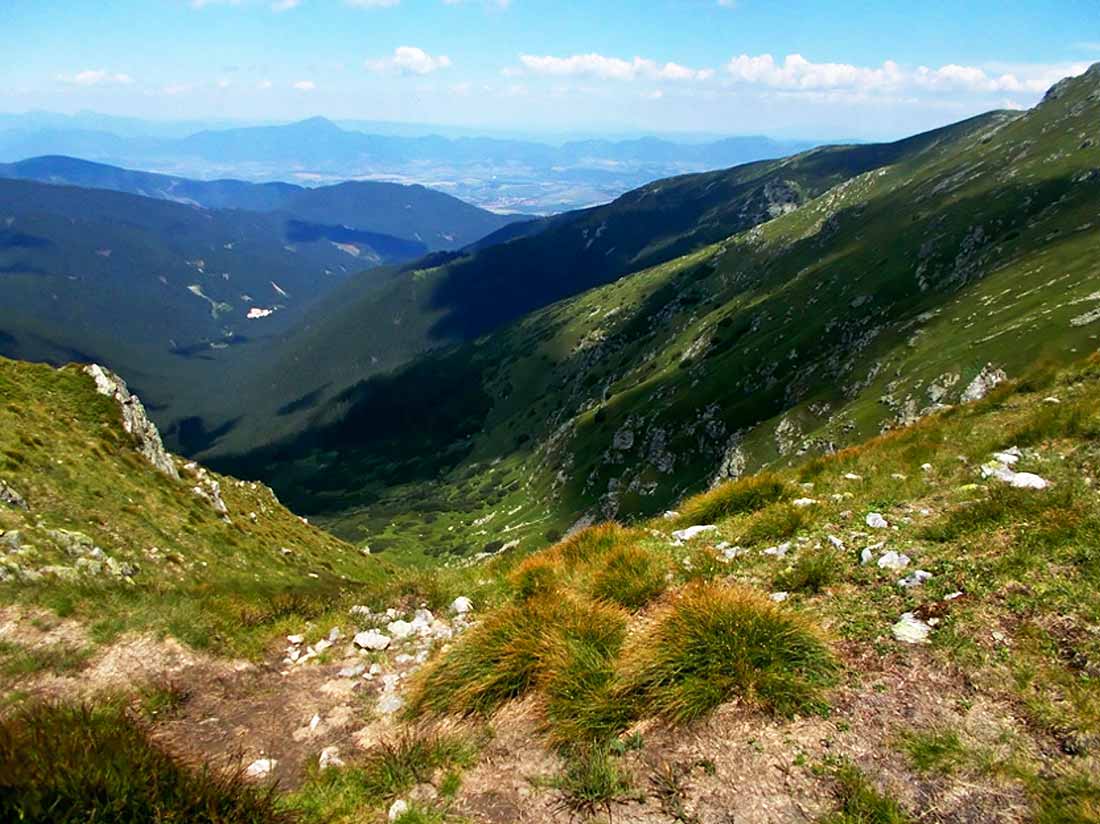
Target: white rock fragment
{"type": "Point", "coordinates": [779, 597]}
{"type": "Point", "coordinates": [260, 768]}
{"type": "Point", "coordinates": [1028, 480]}
{"type": "Point", "coordinates": [852, 476]}
{"type": "Point", "coordinates": [779, 551]}
{"type": "Point", "coordinates": [295, 639]}
{"type": "Point", "coordinates": [802, 502]}
{"type": "Point", "coordinates": [865, 556]}
{"type": "Point", "coordinates": [330, 757]}
{"type": "Point", "coordinates": [390, 702]}
{"type": "Point", "coordinates": [400, 629]}
{"type": "Point", "coordinates": [462, 605]}
{"type": "Point", "coordinates": [397, 809]}
{"type": "Point", "coordinates": [914, 579]}
{"type": "Point", "coordinates": [693, 531]}
{"type": "Point", "coordinates": [893, 561]}
{"type": "Point", "coordinates": [352, 671]}
{"type": "Point", "coordinates": [835, 541]}
{"type": "Point", "coordinates": [876, 521]}
{"type": "Point", "coordinates": [911, 630]}
{"type": "Point", "coordinates": [926, 467]}
{"type": "Point", "coordinates": [372, 639]}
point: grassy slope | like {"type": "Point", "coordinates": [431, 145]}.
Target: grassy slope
{"type": "Point", "coordinates": [816, 328]}
{"type": "Point", "coordinates": [615, 624]}
{"type": "Point", "coordinates": [227, 586]}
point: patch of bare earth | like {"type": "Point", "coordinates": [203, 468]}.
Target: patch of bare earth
{"type": "Point", "coordinates": [741, 766]}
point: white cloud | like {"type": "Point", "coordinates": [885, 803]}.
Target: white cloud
{"type": "Point", "coordinates": [372, 4]}
{"type": "Point", "coordinates": [798, 73]}
{"type": "Point", "coordinates": [263, 85]}
{"type": "Point", "coordinates": [610, 68]}
{"type": "Point", "coordinates": [97, 77]}
{"type": "Point", "coordinates": [304, 85]}
{"type": "Point", "coordinates": [410, 60]}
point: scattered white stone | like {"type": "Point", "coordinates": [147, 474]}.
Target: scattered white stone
{"type": "Point", "coordinates": [914, 579]}
{"type": "Point", "coordinates": [322, 645]}
{"type": "Point", "coordinates": [894, 561]}
{"type": "Point", "coordinates": [352, 671]}
{"type": "Point", "coordinates": [926, 467]}
{"type": "Point", "coordinates": [876, 521]}
{"type": "Point", "coordinates": [314, 722]}
{"type": "Point", "coordinates": [398, 808]}
{"type": "Point", "coordinates": [334, 634]}
{"type": "Point", "coordinates": [330, 757]}
{"type": "Point", "coordinates": [295, 639]}
{"type": "Point", "coordinates": [800, 502]}
{"type": "Point", "coordinates": [360, 611]}
{"type": "Point", "coordinates": [375, 669]}
{"type": "Point", "coordinates": [952, 596]}
{"type": "Point", "coordinates": [372, 639]}
{"type": "Point", "coordinates": [1028, 480]}
{"type": "Point", "coordinates": [779, 551]}
{"type": "Point", "coordinates": [260, 768]}
{"type": "Point", "coordinates": [865, 557]}
{"type": "Point", "coordinates": [835, 541]}
{"type": "Point", "coordinates": [1008, 457]}
{"type": "Point", "coordinates": [670, 515]}
{"type": "Point", "coordinates": [779, 597]}
{"type": "Point", "coordinates": [911, 630]}
{"type": "Point", "coordinates": [390, 702]}
{"type": "Point", "coordinates": [852, 476]}
{"type": "Point", "coordinates": [693, 531]}
{"type": "Point", "coordinates": [462, 605]}
{"type": "Point", "coordinates": [897, 476]}
{"type": "Point", "coordinates": [1051, 399]}
{"type": "Point", "coordinates": [400, 629]}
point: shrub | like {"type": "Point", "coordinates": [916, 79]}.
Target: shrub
{"type": "Point", "coordinates": [712, 644]}
{"type": "Point", "coordinates": [630, 577]}
{"type": "Point", "coordinates": [590, 544]}
{"type": "Point", "coordinates": [733, 498]}
{"type": "Point", "coordinates": [61, 763]}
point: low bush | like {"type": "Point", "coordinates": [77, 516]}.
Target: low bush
{"type": "Point", "coordinates": [630, 577]}
{"type": "Point", "coordinates": [733, 498]}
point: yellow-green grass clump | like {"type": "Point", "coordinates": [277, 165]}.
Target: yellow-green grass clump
{"type": "Point", "coordinates": [734, 498]}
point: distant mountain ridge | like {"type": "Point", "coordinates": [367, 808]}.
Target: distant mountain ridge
{"type": "Point", "coordinates": [434, 219]}
{"type": "Point", "coordinates": [508, 175]}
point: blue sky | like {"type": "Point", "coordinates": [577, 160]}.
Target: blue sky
{"type": "Point", "coordinates": [816, 69]}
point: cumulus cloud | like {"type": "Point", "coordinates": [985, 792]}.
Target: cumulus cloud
{"type": "Point", "coordinates": [795, 72]}
{"type": "Point", "coordinates": [410, 60]}
{"type": "Point", "coordinates": [610, 68]}
{"type": "Point", "coordinates": [97, 77]}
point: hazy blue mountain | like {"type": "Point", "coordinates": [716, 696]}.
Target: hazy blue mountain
{"type": "Point", "coordinates": [415, 213]}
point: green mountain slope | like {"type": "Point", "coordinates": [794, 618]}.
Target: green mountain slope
{"type": "Point", "coordinates": [164, 293]}
{"type": "Point", "coordinates": [372, 325]}
{"type": "Point", "coordinates": [873, 302]}
{"type": "Point", "coordinates": [413, 213]}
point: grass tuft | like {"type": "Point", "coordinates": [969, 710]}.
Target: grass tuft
{"type": "Point", "coordinates": [65, 764]}
{"type": "Point", "coordinates": [776, 522]}
{"type": "Point", "coordinates": [811, 572]}
{"type": "Point", "coordinates": [712, 644]}
{"type": "Point", "coordinates": [861, 803]}
{"type": "Point", "coordinates": [733, 498]}
{"type": "Point", "coordinates": [591, 781]}
{"type": "Point", "coordinates": [630, 577]}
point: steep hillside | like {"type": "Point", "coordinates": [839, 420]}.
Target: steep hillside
{"type": "Point", "coordinates": [412, 213]}
{"type": "Point", "coordinates": [363, 329]}
{"type": "Point", "coordinates": [878, 300]}
{"type": "Point", "coordinates": [902, 631]}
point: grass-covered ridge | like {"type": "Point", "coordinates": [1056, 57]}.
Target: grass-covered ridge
{"type": "Point", "coordinates": [108, 540]}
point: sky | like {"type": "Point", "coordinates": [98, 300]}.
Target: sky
{"type": "Point", "coordinates": [832, 68]}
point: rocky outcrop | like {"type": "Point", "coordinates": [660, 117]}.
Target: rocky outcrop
{"type": "Point", "coordinates": [12, 498]}
{"type": "Point", "coordinates": [985, 381]}
{"type": "Point", "coordinates": [134, 419]}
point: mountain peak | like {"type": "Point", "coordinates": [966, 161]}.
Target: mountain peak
{"type": "Point", "coordinates": [316, 124]}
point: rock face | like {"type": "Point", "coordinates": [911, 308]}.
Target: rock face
{"type": "Point", "coordinates": [10, 497]}
{"type": "Point", "coordinates": [134, 419]}
{"type": "Point", "coordinates": [988, 378]}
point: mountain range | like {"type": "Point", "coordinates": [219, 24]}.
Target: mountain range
{"type": "Point", "coordinates": [505, 175]}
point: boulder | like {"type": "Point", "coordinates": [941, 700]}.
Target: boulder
{"type": "Point", "coordinates": [876, 521]}
{"type": "Point", "coordinates": [372, 639]}
{"type": "Point", "coordinates": [983, 383]}
{"type": "Point", "coordinates": [462, 605]}
{"type": "Point", "coordinates": [134, 419]}
{"type": "Point", "coordinates": [911, 630]}
{"type": "Point", "coordinates": [397, 809]}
